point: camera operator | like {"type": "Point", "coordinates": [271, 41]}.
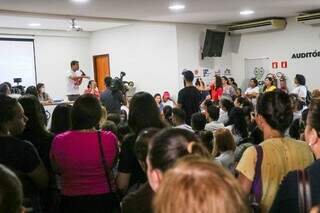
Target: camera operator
{"type": "Point", "coordinates": [113, 97]}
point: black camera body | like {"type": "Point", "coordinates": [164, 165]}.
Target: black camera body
{"type": "Point", "coordinates": [117, 84]}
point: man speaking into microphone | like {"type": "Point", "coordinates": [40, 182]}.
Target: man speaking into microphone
{"type": "Point", "coordinates": [75, 77]}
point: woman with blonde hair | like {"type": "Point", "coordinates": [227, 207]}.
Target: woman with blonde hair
{"type": "Point", "coordinates": [197, 185]}
{"type": "Point", "coordinates": [224, 147]}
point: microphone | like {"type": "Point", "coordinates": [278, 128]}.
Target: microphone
{"type": "Point", "coordinates": [83, 73]}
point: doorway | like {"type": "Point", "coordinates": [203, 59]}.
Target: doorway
{"type": "Point", "coordinates": [101, 64]}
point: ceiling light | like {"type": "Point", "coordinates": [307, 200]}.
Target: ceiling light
{"type": "Point", "coordinates": [177, 7]}
{"type": "Point", "coordinates": [80, 1]}
{"type": "Point", "coordinates": [34, 25]}
{"type": "Point", "coordinates": [246, 12]}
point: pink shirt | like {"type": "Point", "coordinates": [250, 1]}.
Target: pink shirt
{"type": "Point", "coordinates": [78, 158]}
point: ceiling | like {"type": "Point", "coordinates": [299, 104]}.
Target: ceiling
{"type": "Point", "coordinates": [196, 11]}
{"type": "Point", "coordinates": [55, 23]}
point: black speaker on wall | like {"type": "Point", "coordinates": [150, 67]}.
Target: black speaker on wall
{"type": "Point", "coordinates": [213, 44]}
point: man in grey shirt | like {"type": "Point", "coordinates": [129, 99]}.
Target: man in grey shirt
{"type": "Point", "coordinates": [112, 98]}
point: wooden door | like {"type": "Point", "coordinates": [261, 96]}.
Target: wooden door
{"type": "Point", "coordinates": [101, 65]}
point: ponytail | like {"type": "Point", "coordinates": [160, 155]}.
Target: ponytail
{"type": "Point", "coordinates": [171, 144]}
{"type": "Point", "coordinates": [196, 148]}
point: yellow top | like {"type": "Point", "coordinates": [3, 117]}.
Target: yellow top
{"type": "Point", "coordinates": [280, 156]}
{"type": "Point", "coordinates": [270, 89]}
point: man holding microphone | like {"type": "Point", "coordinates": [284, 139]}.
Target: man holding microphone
{"type": "Point", "coordinates": [75, 77]}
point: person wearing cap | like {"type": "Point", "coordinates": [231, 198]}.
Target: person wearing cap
{"type": "Point", "coordinates": [189, 98]}
{"type": "Point", "coordinates": [167, 100]}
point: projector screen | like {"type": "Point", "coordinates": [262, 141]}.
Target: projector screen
{"type": "Point", "coordinates": [17, 61]}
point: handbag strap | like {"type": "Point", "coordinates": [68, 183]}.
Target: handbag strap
{"type": "Point", "coordinates": [257, 181]}
{"type": "Point", "coordinates": [304, 191]}
{"type": "Point", "coordinates": [104, 163]}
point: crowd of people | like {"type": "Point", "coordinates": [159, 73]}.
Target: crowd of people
{"type": "Point", "coordinates": [214, 149]}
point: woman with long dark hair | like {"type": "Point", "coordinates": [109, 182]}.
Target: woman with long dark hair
{"type": "Point", "coordinates": [269, 85]}
{"type": "Point", "coordinates": [216, 89]}
{"type": "Point", "coordinates": [144, 113]}
{"type": "Point", "coordinates": [36, 133]}
{"type": "Point", "coordinates": [19, 155]}
{"type": "Point", "coordinates": [228, 90]}
{"type": "Point", "coordinates": [43, 97]}
{"type": "Point", "coordinates": [92, 89]}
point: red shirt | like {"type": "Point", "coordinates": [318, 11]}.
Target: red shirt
{"type": "Point", "coordinates": [94, 92]}
{"type": "Point", "coordinates": [216, 93]}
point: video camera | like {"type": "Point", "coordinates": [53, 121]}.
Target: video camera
{"type": "Point", "coordinates": [117, 84]}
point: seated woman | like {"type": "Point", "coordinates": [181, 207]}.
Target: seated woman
{"type": "Point", "coordinates": [157, 98]}
{"type": "Point", "coordinates": [198, 185]}
{"type": "Point", "coordinates": [224, 147]}
{"type": "Point", "coordinates": [287, 199]}
{"type": "Point", "coordinates": [277, 155]}
{"type": "Point", "coordinates": [61, 119]}
{"type": "Point", "coordinates": [269, 85]}
{"type": "Point", "coordinates": [36, 133]}
{"type": "Point", "coordinates": [92, 89]}
{"type": "Point", "coordinates": [21, 156]}
{"type": "Point", "coordinates": [83, 157]}
{"type": "Point", "coordinates": [43, 97]}
{"type": "Point", "coordinates": [226, 107]}
{"type": "Point", "coordinates": [167, 100]}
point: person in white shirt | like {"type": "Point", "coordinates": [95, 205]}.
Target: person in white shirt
{"type": "Point", "coordinates": [224, 148]}
{"type": "Point", "coordinates": [253, 91]}
{"type": "Point", "coordinates": [179, 119]}
{"type": "Point", "coordinates": [213, 116]}
{"type": "Point", "coordinates": [75, 77]}
{"type": "Point", "coordinates": [300, 89]}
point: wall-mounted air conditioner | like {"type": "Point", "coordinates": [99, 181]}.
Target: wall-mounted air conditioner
{"type": "Point", "coordinates": [258, 26]}
{"type": "Point", "coordinates": [312, 18]}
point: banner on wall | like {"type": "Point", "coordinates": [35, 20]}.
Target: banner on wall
{"type": "Point", "coordinates": [256, 68]}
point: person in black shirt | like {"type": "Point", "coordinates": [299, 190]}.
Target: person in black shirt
{"type": "Point", "coordinates": [112, 97]}
{"type": "Point", "coordinates": [287, 199]}
{"type": "Point", "coordinates": [36, 133]}
{"type": "Point", "coordinates": [20, 156]}
{"type": "Point", "coordinates": [189, 98]}
{"type": "Point", "coordinates": [143, 113]}
{"type": "Point", "coordinates": [141, 200]}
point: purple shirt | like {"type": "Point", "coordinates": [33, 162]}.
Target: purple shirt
{"type": "Point", "coordinates": [78, 158]}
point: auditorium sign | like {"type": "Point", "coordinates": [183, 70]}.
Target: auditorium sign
{"type": "Point", "coordinates": [314, 54]}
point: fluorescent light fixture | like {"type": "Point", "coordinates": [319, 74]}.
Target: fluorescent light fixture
{"type": "Point", "coordinates": [80, 1]}
{"type": "Point", "coordinates": [177, 7]}
{"type": "Point", "coordinates": [34, 25]}
{"type": "Point", "coordinates": [246, 12]}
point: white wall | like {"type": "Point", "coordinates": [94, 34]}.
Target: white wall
{"type": "Point", "coordinates": [190, 39]}
{"type": "Point", "coordinates": [279, 46]}
{"type": "Point", "coordinates": [53, 57]}
{"type": "Point", "coordinates": [54, 51]}
{"type": "Point", "coordinates": [147, 52]}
